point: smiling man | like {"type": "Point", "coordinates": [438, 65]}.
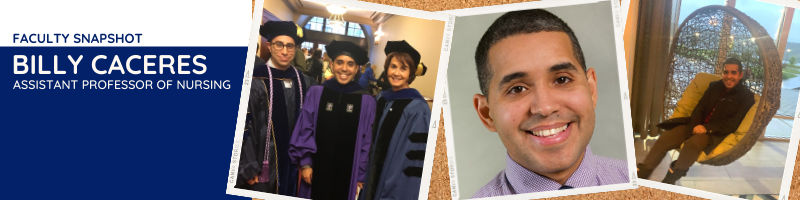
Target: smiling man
{"type": "Point", "coordinates": [718, 113]}
{"type": "Point", "coordinates": [333, 135]}
{"type": "Point", "coordinates": [540, 98]}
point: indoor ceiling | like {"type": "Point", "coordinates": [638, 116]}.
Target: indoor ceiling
{"type": "Point", "coordinates": [350, 11]}
{"type": "Point", "coordinates": [319, 9]}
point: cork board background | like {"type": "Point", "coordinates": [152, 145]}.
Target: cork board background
{"type": "Point", "coordinates": [440, 181]}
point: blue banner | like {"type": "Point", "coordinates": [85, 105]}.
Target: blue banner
{"type": "Point", "coordinates": [90, 138]}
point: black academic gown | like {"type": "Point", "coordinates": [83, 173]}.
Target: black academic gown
{"type": "Point", "coordinates": [283, 175]}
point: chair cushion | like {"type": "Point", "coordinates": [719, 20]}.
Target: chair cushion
{"type": "Point", "coordinates": [693, 93]}
{"type": "Point", "coordinates": [692, 96]}
{"type": "Point", "coordinates": [734, 138]}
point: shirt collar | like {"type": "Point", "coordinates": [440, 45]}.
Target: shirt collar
{"type": "Point", "coordinates": [522, 180]}
{"type": "Point", "coordinates": [269, 63]}
{"type": "Point", "coordinates": [276, 73]}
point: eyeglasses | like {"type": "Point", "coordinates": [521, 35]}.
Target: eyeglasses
{"type": "Point", "coordinates": [279, 46]}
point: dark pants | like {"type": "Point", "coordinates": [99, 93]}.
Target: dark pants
{"type": "Point", "coordinates": [693, 144]}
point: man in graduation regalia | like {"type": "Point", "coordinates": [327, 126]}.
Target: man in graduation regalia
{"type": "Point", "coordinates": [332, 138]}
{"type": "Point", "coordinates": [401, 129]}
{"type": "Point", "coordinates": [276, 95]}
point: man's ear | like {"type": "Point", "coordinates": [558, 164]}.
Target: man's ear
{"type": "Point", "coordinates": [592, 78]}
{"type": "Point", "coordinates": [482, 107]}
{"type": "Point", "coordinates": [269, 46]}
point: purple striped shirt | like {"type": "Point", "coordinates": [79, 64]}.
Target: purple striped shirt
{"type": "Point", "coordinates": [593, 171]}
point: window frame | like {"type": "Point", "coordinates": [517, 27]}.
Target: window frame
{"type": "Point", "coordinates": [310, 45]}
{"type": "Point", "coordinates": [347, 29]}
{"type": "Point", "coordinates": [312, 20]}
{"type": "Point", "coordinates": [780, 39]}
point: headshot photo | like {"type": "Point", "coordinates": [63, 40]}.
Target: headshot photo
{"type": "Point", "coordinates": [535, 102]}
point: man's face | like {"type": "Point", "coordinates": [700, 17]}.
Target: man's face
{"type": "Point", "coordinates": [540, 101]}
{"type": "Point", "coordinates": [282, 50]}
{"type": "Point", "coordinates": [344, 69]}
{"type": "Point", "coordinates": [731, 75]}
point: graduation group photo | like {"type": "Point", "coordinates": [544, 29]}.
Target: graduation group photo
{"type": "Point", "coordinates": [340, 103]}
{"type": "Point", "coordinates": [714, 88]}
{"type": "Point", "coordinates": [536, 102]}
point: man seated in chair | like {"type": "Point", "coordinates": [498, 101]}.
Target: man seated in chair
{"type": "Point", "coordinates": [718, 114]}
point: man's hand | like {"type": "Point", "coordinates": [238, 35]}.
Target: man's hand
{"type": "Point", "coordinates": [699, 129]}
{"type": "Point", "coordinates": [253, 181]}
{"type": "Point", "coordinates": [306, 174]}
{"type": "Point", "coordinates": [360, 185]}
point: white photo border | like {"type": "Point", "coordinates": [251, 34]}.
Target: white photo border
{"type": "Point", "coordinates": [793, 4]}
{"type": "Point", "coordinates": [437, 105]}
{"type": "Point", "coordinates": [788, 171]}
{"type": "Point", "coordinates": [791, 155]}
{"type": "Point", "coordinates": [515, 6]}
{"type": "Point", "coordinates": [685, 190]}
{"type": "Point", "coordinates": [623, 85]}
{"type": "Point", "coordinates": [621, 13]}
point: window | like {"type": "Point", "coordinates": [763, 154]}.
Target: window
{"type": "Point", "coordinates": [333, 28]}
{"type": "Point", "coordinates": [307, 45]}
{"type": "Point", "coordinates": [793, 43]}
{"type": "Point", "coordinates": [682, 8]}
{"type": "Point", "coordinates": [766, 14]}
{"type": "Point", "coordinates": [323, 24]}
{"type": "Point", "coordinates": [771, 17]}
{"type": "Point", "coordinates": [781, 125]}
{"type": "Point", "coordinates": [689, 6]}
{"type": "Point", "coordinates": [322, 47]}
{"type": "Point", "coordinates": [354, 29]}
{"type": "Point", "coordinates": [315, 24]}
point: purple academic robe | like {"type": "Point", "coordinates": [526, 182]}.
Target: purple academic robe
{"type": "Point", "coordinates": [303, 144]}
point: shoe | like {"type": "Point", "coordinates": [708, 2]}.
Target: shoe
{"type": "Point", "coordinates": [673, 175]}
{"type": "Point", "coordinates": [643, 172]}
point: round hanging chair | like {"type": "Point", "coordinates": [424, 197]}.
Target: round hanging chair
{"type": "Point", "coordinates": [701, 44]}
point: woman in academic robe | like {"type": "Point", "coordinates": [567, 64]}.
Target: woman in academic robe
{"type": "Point", "coordinates": [401, 129]}
{"type": "Point", "coordinates": [332, 138]}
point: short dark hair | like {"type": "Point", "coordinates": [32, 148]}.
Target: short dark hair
{"type": "Point", "coordinates": [515, 23]}
{"type": "Point", "coordinates": [735, 62]}
{"type": "Point", "coordinates": [404, 58]}
{"type": "Point", "coordinates": [317, 54]}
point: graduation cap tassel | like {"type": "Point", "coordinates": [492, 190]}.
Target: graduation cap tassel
{"type": "Point", "coordinates": [421, 69]}
{"type": "Point", "coordinates": [265, 164]}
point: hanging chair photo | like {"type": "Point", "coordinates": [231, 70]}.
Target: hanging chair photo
{"type": "Point", "coordinates": [701, 44]}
